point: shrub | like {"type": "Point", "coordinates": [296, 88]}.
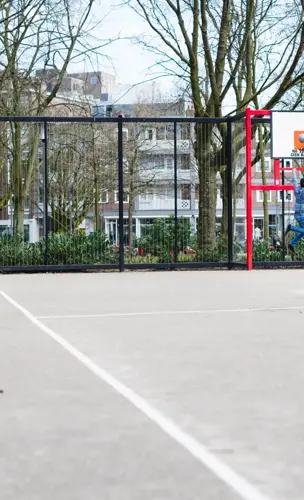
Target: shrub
{"type": "Point", "coordinates": [141, 259]}
{"type": "Point", "coordinates": [63, 249]}
{"type": "Point", "coordinates": [14, 251]}
{"type": "Point", "coordinates": [159, 239]}
{"type": "Point", "coordinates": [263, 252]}
{"type": "Point", "coordinates": [187, 258]}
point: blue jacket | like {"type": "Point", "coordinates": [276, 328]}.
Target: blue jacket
{"type": "Point", "coordinates": [299, 195]}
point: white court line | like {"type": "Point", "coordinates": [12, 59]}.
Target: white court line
{"type": "Point", "coordinates": [157, 313]}
{"type": "Point", "coordinates": [239, 484]}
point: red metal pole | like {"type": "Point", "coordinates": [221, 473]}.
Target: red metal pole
{"type": "Point", "coordinates": [271, 187]}
{"type": "Point", "coordinates": [277, 171]}
{"type": "Point", "coordinates": [260, 112]}
{"type": "Point", "coordinates": [248, 187]}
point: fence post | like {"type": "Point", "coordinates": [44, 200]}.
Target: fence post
{"type": "Point", "coordinates": [44, 140]}
{"type": "Point", "coordinates": [120, 194]}
{"type": "Point", "coordinates": [230, 194]}
{"type": "Point", "coordinates": [175, 194]}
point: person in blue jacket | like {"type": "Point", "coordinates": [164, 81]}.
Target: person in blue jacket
{"type": "Point", "coordinates": [298, 211]}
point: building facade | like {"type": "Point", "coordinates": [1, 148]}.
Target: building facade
{"type": "Point", "coordinates": [149, 167]}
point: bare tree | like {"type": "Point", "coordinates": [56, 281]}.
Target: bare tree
{"type": "Point", "coordinates": [38, 40]}
{"type": "Point", "coordinates": [209, 46]}
{"type": "Point", "coordinates": [82, 167]}
{"type": "Point", "coordinates": [148, 154]}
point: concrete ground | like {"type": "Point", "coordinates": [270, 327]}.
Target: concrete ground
{"type": "Point", "coordinates": [152, 386]}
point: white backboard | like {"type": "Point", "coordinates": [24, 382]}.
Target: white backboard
{"type": "Point", "coordinates": [287, 134]}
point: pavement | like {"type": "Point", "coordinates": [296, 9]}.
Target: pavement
{"type": "Point", "coordinates": [152, 385]}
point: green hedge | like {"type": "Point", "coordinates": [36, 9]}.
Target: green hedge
{"type": "Point", "coordinates": [78, 248]}
{"type": "Point", "coordinates": [160, 237]}
{"type": "Point", "coordinates": [14, 252]}
{"type": "Point", "coordinates": [63, 249]}
{"type": "Point", "coordinates": [158, 244]}
{"type": "Point", "coordinates": [263, 252]}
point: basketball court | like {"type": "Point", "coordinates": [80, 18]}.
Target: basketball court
{"type": "Point", "coordinates": [171, 386]}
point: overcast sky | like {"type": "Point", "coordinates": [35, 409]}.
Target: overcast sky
{"type": "Point", "coordinates": [131, 62]}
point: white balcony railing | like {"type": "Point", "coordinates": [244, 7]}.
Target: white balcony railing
{"type": "Point", "coordinates": [183, 204]}
{"type": "Point", "coordinates": [168, 204]}
{"type": "Point", "coordinates": [161, 146]}
{"type": "Point", "coordinates": [163, 204]}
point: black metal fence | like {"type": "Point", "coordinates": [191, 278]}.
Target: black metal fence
{"type": "Point", "coordinates": [123, 193]}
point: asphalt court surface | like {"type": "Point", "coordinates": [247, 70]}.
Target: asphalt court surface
{"type": "Point", "coordinates": [213, 362]}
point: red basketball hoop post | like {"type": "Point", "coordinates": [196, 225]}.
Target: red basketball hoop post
{"type": "Point", "coordinates": [249, 188]}
{"type": "Point", "coordinates": [249, 113]}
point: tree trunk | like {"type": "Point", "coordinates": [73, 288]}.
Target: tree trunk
{"type": "Point", "coordinates": [206, 232]}
{"type": "Point", "coordinates": [130, 224]}
{"type": "Point", "coordinates": [96, 204]}
{"type": "Point", "coordinates": [132, 194]}
{"type": "Point", "coordinates": [18, 216]}
{"type": "Point", "coordinates": [266, 216]}
{"type": "Point", "coordinates": [206, 236]}
{"type": "Point", "coordinates": [22, 171]}
{"type": "Point", "coordinates": [234, 207]}
{"type": "Point", "coordinates": [225, 201]}
{"type": "Point", "coordinates": [16, 180]}
{"type": "Point", "coordinates": [264, 181]}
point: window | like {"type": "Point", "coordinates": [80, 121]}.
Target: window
{"type": "Point", "coordinates": [125, 197]}
{"type": "Point", "coordinates": [185, 191]}
{"type": "Point", "coordinates": [267, 165]}
{"type": "Point", "coordinates": [185, 131]}
{"type": "Point", "coordinates": [104, 197]}
{"type": "Point", "coordinates": [165, 133]}
{"type": "Point", "coordinates": [26, 233]}
{"type": "Point", "coordinates": [185, 162]}
{"type": "Point", "coordinates": [288, 163]}
{"type": "Point", "coordinates": [146, 197]}
{"type": "Point", "coordinates": [170, 132]}
{"type": "Point", "coordinates": [170, 162]}
{"type": "Point", "coordinates": [147, 162]}
{"type": "Point", "coordinates": [159, 161]}
{"type": "Point", "coordinates": [93, 80]}
{"type": "Point", "coordinates": [260, 196]}
{"type": "Point", "coordinates": [258, 228]}
{"type": "Point", "coordinates": [164, 193]}
{"type": "Point", "coordinates": [149, 134]}
{"type": "Point", "coordinates": [125, 133]}
{"type": "Point", "coordinates": [288, 196]}
{"type": "Point", "coordinates": [240, 231]}
{"type": "Point", "coordinates": [145, 225]}
{"type": "Point", "coordinates": [160, 133]}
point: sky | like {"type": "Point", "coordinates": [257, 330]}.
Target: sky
{"type": "Point", "coordinates": [129, 62]}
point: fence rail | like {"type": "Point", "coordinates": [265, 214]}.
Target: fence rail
{"type": "Point", "coordinates": [81, 193]}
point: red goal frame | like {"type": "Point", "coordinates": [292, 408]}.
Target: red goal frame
{"type": "Point", "coordinates": [250, 187]}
